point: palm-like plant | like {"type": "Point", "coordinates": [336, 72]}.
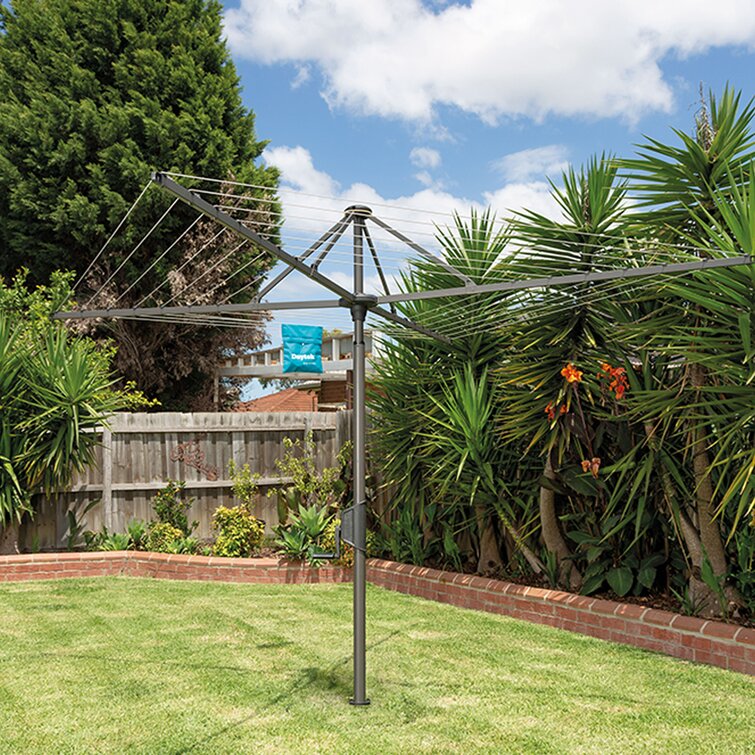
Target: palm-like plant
{"type": "Point", "coordinates": [697, 201]}
{"type": "Point", "coordinates": [556, 327]}
{"type": "Point", "coordinates": [56, 391]}
{"type": "Point", "coordinates": [413, 379]}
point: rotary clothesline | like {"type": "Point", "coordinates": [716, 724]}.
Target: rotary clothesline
{"type": "Point", "coordinates": [478, 302]}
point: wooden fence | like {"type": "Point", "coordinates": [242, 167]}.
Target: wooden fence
{"type": "Point", "coordinates": [141, 452]}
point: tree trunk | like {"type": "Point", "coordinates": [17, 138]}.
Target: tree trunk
{"type": "Point", "coordinates": [513, 542]}
{"type": "Point", "coordinates": [711, 542]}
{"type": "Point", "coordinates": [489, 561]}
{"type": "Point", "coordinates": [9, 538]}
{"type": "Point", "coordinates": [552, 537]}
{"type": "Point", "coordinates": [689, 533]}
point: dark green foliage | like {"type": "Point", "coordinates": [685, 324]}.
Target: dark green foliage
{"type": "Point", "coordinates": [96, 95]}
{"type": "Point", "coordinates": [56, 390]}
{"type": "Point", "coordinates": [137, 532]}
{"type": "Point", "coordinates": [610, 429]}
{"type": "Point", "coordinates": [239, 532]}
{"type": "Point", "coordinates": [170, 507]}
{"type": "Point", "coordinates": [301, 538]}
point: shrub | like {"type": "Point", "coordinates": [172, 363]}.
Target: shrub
{"type": "Point", "coordinates": [137, 532]}
{"type": "Point", "coordinates": [239, 532]}
{"type": "Point", "coordinates": [170, 507]}
{"type": "Point", "coordinates": [301, 537]}
{"type": "Point", "coordinates": [245, 483]}
{"type": "Point", "coordinates": [163, 537]}
{"type": "Point", "coordinates": [324, 488]}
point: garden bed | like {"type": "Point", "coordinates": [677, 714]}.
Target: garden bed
{"type": "Point", "coordinates": [728, 646]}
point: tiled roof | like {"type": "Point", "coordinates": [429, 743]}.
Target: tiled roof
{"type": "Point", "coordinates": [289, 400]}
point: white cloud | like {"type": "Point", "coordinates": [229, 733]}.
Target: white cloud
{"type": "Point", "coordinates": [533, 163]}
{"type": "Point", "coordinates": [313, 201]}
{"type": "Point", "coordinates": [297, 169]}
{"type": "Point", "coordinates": [400, 58]}
{"type": "Point", "coordinates": [424, 157]}
{"type": "Point", "coordinates": [301, 78]}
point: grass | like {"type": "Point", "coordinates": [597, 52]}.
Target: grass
{"type": "Point", "coordinates": [133, 665]}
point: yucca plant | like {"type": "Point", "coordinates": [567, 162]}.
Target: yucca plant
{"type": "Point", "coordinates": [55, 391]}
{"type": "Point", "coordinates": [414, 372]}
{"type": "Point", "coordinates": [560, 329]}
{"type": "Point", "coordinates": [696, 199]}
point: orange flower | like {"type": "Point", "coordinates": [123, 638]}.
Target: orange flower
{"type": "Point", "coordinates": [572, 374]}
{"type": "Point", "coordinates": [619, 384]}
{"type": "Point", "coordinates": [563, 409]}
{"type": "Point", "coordinates": [592, 466]}
{"type": "Point", "coordinates": [550, 411]}
{"type": "Point", "coordinates": [618, 377]}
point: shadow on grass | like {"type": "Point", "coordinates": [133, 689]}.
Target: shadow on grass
{"type": "Point", "coordinates": [329, 679]}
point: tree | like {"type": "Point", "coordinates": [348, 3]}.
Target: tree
{"type": "Point", "coordinates": [569, 325]}
{"type": "Point", "coordinates": [613, 421]}
{"type": "Point", "coordinates": [435, 440]}
{"type": "Point", "coordinates": [696, 197]}
{"type": "Point", "coordinates": [56, 390]}
{"type": "Point", "coordinates": [97, 94]}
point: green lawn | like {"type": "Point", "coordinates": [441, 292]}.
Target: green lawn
{"type": "Point", "coordinates": [136, 665]}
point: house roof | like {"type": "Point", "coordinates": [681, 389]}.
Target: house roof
{"type": "Point", "coordinates": [288, 400]}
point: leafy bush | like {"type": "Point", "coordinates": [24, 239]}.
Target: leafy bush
{"type": "Point", "coordinates": [404, 541]}
{"type": "Point", "coordinates": [137, 532]}
{"type": "Point", "coordinates": [170, 507]}
{"type": "Point", "coordinates": [301, 538]}
{"type": "Point", "coordinates": [239, 532]}
{"type": "Point", "coordinates": [116, 541]}
{"type": "Point", "coordinates": [56, 389]}
{"type": "Point", "coordinates": [245, 483]}
{"type": "Point", "coordinates": [163, 537]}
{"type": "Point", "coordinates": [310, 486]}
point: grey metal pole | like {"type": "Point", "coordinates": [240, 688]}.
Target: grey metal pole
{"type": "Point", "coordinates": [359, 309]}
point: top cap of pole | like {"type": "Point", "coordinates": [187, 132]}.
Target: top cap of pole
{"type": "Point", "coordinates": [359, 209]}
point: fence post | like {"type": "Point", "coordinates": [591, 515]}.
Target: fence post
{"type": "Point", "coordinates": [108, 512]}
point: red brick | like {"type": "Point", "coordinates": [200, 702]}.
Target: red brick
{"type": "Point", "coordinates": [654, 616]}
{"type": "Point", "coordinates": [687, 623]}
{"type": "Point", "coordinates": [610, 622]}
{"type": "Point", "coordinates": [697, 643]}
{"type": "Point", "coordinates": [629, 611]}
{"type": "Point", "coordinates": [746, 636]}
{"type": "Point", "coordinates": [715, 659]}
{"type": "Point", "coordinates": [603, 606]}
{"type": "Point", "coordinates": [537, 593]}
{"type": "Point", "coordinates": [719, 629]}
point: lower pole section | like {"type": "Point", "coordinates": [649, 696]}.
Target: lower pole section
{"type": "Point", "coordinates": [358, 313]}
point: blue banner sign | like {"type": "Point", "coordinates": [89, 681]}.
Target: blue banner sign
{"type": "Point", "coordinates": [302, 348]}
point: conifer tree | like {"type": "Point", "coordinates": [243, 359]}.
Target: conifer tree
{"type": "Point", "coordinates": [96, 95]}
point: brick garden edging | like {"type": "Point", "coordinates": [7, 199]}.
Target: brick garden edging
{"type": "Point", "coordinates": [729, 646]}
{"type": "Point", "coordinates": [164, 566]}
{"type": "Point", "coordinates": [713, 642]}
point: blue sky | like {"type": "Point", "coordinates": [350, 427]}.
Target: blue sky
{"type": "Point", "coordinates": [443, 105]}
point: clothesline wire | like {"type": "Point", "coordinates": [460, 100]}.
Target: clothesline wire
{"type": "Point", "coordinates": [112, 235]}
